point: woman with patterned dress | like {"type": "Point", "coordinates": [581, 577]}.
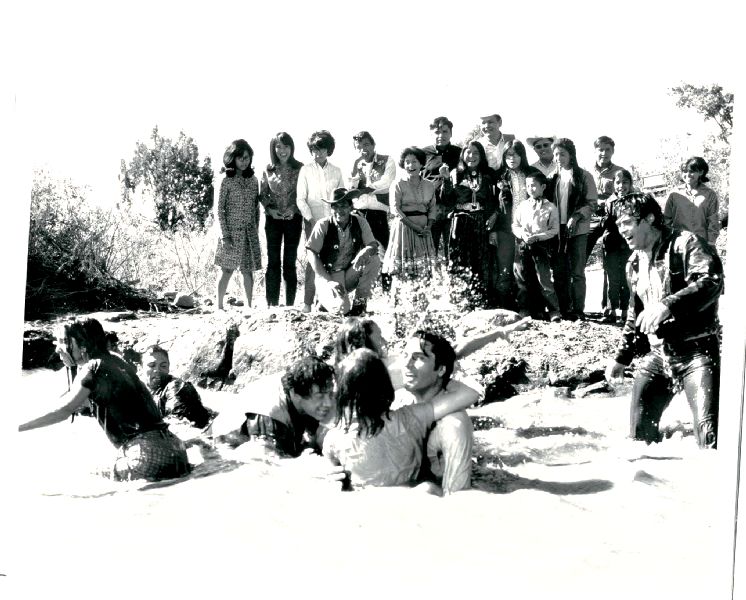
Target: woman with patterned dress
{"type": "Point", "coordinates": [411, 253]}
{"type": "Point", "coordinates": [238, 215]}
{"type": "Point", "coordinates": [471, 187]}
{"type": "Point", "coordinates": [283, 222]}
{"type": "Point", "coordinates": [511, 191]}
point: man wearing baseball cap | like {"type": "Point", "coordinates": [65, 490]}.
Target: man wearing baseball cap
{"type": "Point", "coordinates": [343, 254]}
{"type": "Point", "coordinates": [543, 148]}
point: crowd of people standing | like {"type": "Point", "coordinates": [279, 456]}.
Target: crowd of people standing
{"type": "Point", "coordinates": [517, 234]}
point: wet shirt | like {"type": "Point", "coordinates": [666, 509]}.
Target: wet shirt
{"type": "Point", "coordinates": [121, 402]}
{"type": "Point", "coordinates": [178, 398]}
{"type": "Point", "coordinates": [391, 457]}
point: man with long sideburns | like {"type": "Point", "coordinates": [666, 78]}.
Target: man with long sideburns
{"type": "Point", "coordinates": [675, 280]}
{"type": "Point", "coordinates": [429, 362]}
{"type": "Point", "coordinates": [372, 175]}
{"type": "Point", "coordinates": [441, 158]}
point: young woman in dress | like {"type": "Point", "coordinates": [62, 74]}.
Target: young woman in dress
{"type": "Point", "coordinates": [410, 253]}
{"type": "Point", "coordinates": [121, 403]}
{"type": "Point", "coordinates": [511, 189]}
{"type": "Point", "coordinates": [472, 188]}
{"type": "Point", "coordinates": [283, 222]}
{"type": "Point", "coordinates": [238, 215]}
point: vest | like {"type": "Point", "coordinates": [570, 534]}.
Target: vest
{"type": "Point", "coordinates": [376, 172]}
{"type": "Point", "coordinates": [330, 247]}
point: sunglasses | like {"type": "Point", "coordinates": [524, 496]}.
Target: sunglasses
{"type": "Point", "coordinates": [544, 145]}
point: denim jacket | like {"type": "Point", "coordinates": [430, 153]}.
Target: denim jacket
{"type": "Point", "coordinates": [692, 277]}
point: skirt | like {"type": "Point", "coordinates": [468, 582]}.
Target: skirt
{"type": "Point", "coordinates": [469, 249]}
{"type": "Point", "coordinates": [409, 254]}
{"type": "Point", "coordinates": [152, 456]}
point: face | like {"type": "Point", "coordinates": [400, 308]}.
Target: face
{"type": "Point", "coordinates": [690, 177]}
{"type": "Point", "coordinates": [471, 157]}
{"type": "Point", "coordinates": [283, 152]}
{"type": "Point", "coordinates": [365, 149]}
{"type": "Point", "coordinates": [562, 158]}
{"type": "Point", "coordinates": [622, 185]}
{"type": "Point", "coordinates": [534, 188]}
{"type": "Point", "coordinates": [243, 161]}
{"type": "Point", "coordinates": [155, 368]}
{"type": "Point", "coordinates": [512, 159]}
{"type": "Point", "coordinates": [442, 135]}
{"type": "Point", "coordinates": [320, 155]}
{"type": "Point", "coordinates": [544, 149]}
{"type": "Point", "coordinates": [604, 152]}
{"type": "Point", "coordinates": [639, 234]}
{"type": "Point", "coordinates": [377, 341]}
{"type": "Point", "coordinates": [411, 165]}
{"type": "Point", "coordinates": [317, 405]}
{"type": "Point", "coordinates": [341, 212]}
{"type": "Point", "coordinates": [420, 373]}
{"type": "Point", "coordinates": [490, 126]}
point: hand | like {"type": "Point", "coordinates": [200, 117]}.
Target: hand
{"type": "Point", "coordinates": [336, 288]}
{"type": "Point", "coordinates": [443, 171]}
{"type": "Point", "coordinates": [571, 224]}
{"type": "Point", "coordinates": [491, 221]}
{"type": "Point", "coordinates": [517, 326]}
{"type": "Point", "coordinates": [354, 182]}
{"type": "Point", "coordinates": [315, 466]}
{"type": "Point", "coordinates": [530, 239]}
{"type": "Point", "coordinates": [650, 318]}
{"type": "Point", "coordinates": [614, 372]}
{"type": "Point", "coordinates": [67, 360]}
{"type": "Point", "coordinates": [492, 238]}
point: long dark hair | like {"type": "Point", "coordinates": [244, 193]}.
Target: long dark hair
{"type": "Point", "coordinates": [89, 335]}
{"type": "Point", "coordinates": [284, 139]}
{"type": "Point", "coordinates": [517, 147]}
{"type": "Point", "coordinates": [483, 167]}
{"type": "Point", "coordinates": [364, 392]}
{"type": "Point", "coordinates": [355, 333]}
{"type": "Point", "coordinates": [578, 179]}
{"type": "Point", "coordinates": [237, 148]}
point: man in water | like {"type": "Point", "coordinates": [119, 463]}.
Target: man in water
{"type": "Point", "coordinates": [429, 362]}
{"type": "Point", "coordinates": [675, 280]}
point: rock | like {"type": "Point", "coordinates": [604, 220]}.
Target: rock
{"type": "Point", "coordinates": [184, 301]}
{"type": "Point", "coordinates": [39, 350]}
{"type": "Point", "coordinates": [126, 316]}
{"type": "Point", "coordinates": [499, 376]}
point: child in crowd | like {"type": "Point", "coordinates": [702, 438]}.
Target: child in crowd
{"type": "Point", "coordinates": [693, 206]}
{"type": "Point", "coordinates": [535, 226]}
{"type": "Point", "coordinates": [238, 216]}
{"type": "Point", "coordinates": [616, 253]}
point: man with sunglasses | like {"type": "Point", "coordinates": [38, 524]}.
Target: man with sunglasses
{"type": "Point", "coordinates": [543, 148]}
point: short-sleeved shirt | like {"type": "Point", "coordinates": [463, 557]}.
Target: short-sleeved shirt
{"type": "Point", "coordinates": [121, 402]}
{"type": "Point", "coordinates": [346, 251]}
{"type": "Point", "coordinates": [392, 456]}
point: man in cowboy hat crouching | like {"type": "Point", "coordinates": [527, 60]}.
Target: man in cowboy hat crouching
{"type": "Point", "coordinates": [344, 256]}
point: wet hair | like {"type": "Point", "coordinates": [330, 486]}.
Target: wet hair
{"type": "Point", "coordinates": [363, 135]}
{"type": "Point", "coordinates": [697, 163]}
{"type": "Point", "coordinates": [355, 333]}
{"type": "Point", "coordinates": [604, 139]}
{"type": "Point", "coordinates": [364, 391]}
{"type": "Point", "coordinates": [89, 335]}
{"type": "Point", "coordinates": [303, 374]}
{"type": "Point", "coordinates": [284, 139]}
{"type": "Point", "coordinates": [483, 166]}
{"type": "Point", "coordinates": [639, 206]}
{"type": "Point", "coordinates": [568, 145]}
{"type": "Point", "coordinates": [154, 349]}
{"type": "Point", "coordinates": [538, 176]}
{"type": "Point", "coordinates": [438, 121]}
{"type": "Point", "coordinates": [441, 349]}
{"type": "Point", "coordinates": [236, 149]}
{"type": "Point", "coordinates": [414, 150]}
{"type": "Point", "coordinates": [322, 140]}
{"type": "Point", "coordinates": [517, 147]}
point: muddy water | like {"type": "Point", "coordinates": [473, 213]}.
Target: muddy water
{"type": "Point", "coordinates": [563, 505]}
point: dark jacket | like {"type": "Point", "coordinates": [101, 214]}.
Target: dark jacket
{"type": "Point", "coordinates": [578, 204]}
{"type": "Point", "coordinates": [692, 277]}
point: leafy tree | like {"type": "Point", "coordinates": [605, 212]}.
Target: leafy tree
{"type": "Point", "coordinates": [709, 101]}
{"type": "Point", "coordinates": [181, 188]}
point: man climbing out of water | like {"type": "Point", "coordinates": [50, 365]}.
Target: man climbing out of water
{"type": "Point", "coordinates": [174, 396]}
{"type": "Point", "coordinates": [675, 280]}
